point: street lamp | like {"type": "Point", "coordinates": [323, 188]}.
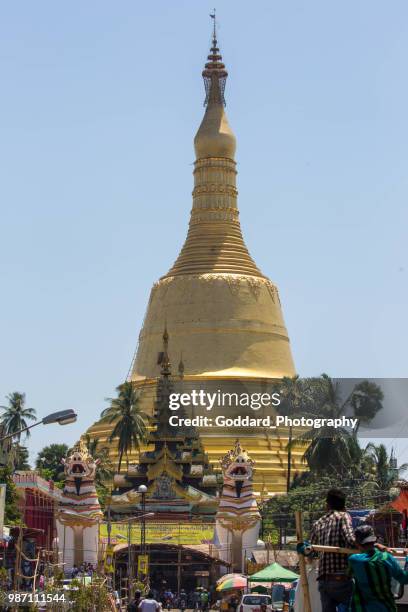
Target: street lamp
{"type": "Point", "coordinates": [142, 489]}
{"type": "Point", "coordinates": [62, 417]}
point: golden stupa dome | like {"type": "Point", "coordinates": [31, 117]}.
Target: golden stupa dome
{"type": "Point", "coordinates": [222, 312]}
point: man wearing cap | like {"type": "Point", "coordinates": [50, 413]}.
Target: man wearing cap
{"type": "Point", "coordinates": [334, 529]}
{"type": "Point", "coordinates": [372, 571]}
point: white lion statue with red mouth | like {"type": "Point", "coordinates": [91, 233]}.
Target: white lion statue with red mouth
{"type": "Point", "coordinates": [238, 520]}
{"type": "Point", "coordinates": [79, 511]}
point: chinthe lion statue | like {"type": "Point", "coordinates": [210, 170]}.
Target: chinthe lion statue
{"type": "Point", "coordinates": [79, 511]}
{"type": "Point", "coordinates": [238, 520]}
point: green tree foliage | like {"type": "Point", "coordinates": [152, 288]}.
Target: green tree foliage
{"type": "Point", "coordinates": [49, 462]}
{"type": "Point", "coordinates": [104, 470]}
{"type": "Point", "coordinates": [16, 416]}
{"type": "Point", "coordinates": [81, 597]}
{"type": "Point", "coordinates": [333, 455]}
{"type": "Point", "coordinates": [366, 400]}
{"type": "Point", "coordinates": [296, 395]}
{"type": "Point", "coordinates": [130, 422]}
{"type": "Point", "coordinates": [20, 459]}
{"type": "Point", "coordinates": [308, 494]}
{"type": "Point", "coordinates": [12, 514]}
{"type": "Point", "coordinates": [333, 449]}
{"type": "Point", "coordinates": [86, 598]}
{"type": "Point", "coordinates": [382, 466]}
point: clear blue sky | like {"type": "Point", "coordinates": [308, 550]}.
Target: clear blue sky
{"type": "Point", "coordinates": [100, 102]}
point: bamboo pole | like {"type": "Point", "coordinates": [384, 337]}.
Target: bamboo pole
{"type": "Point", "coordinates": [302, 565]}
{"type": "Point", "coordinates": [350, 551]}
{"type": "Point", "coordinates": [17, 563]}
{"type": "Point", "coordinates": [36, 572]}
{"type": "Point", "coordinates": [333, 549]}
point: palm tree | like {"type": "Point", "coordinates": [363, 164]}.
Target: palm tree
{"type": "Point", "coordinates": [130, 421]}
{"type": "Point", "coordinates": [386, 471]}
{"type": "Point", "coordinates": [328, 448]}
{"type": "Point", "coordinates": [295, 395]}
{"type": "Point", "coordinates": [331, 449]}
{"type": "Point", "coordinates": [16, 415]}
{"type": "Point", "coordinates": [104, 472]}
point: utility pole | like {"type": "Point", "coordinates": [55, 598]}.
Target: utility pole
{"type": "Point", "coordinates": [142, 490]}
{"type": "Point", "coordinates": [178, 569]}
{"type": "Point", "coordinates": [130, 568]}
{"type": "Point", "coordinates": [109, 525]}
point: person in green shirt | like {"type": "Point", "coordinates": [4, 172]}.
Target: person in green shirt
{"type": "Point", "coordinates": [204, 600]}
{"type": "Point", "coordinates": [372, 570]}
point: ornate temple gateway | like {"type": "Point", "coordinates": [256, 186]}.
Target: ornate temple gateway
{"type": "Point", "coordinates": [222, 313]}
{"type": "Point", "coordinates": [179, 479]}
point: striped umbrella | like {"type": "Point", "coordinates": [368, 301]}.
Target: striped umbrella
{"type": "Point", "coordinates": [226, 576]}
{"type": "Point", "coordinates": [237, 581]}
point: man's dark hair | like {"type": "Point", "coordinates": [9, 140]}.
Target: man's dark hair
{"type": "Point", "coordinates": [336, 499]}
{"type": "Point", "coordinates": [150, 595]}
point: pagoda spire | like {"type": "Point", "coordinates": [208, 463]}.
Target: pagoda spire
{"type": "Point", "coordinates": [214, 18]}
{"type": "Point", "coordinates": [165, 359]}
{"type": "Point", "coordinates": [181, 367]}
{"type": "Point", "coordinates": [214, 242]}
{"type": "Point", "coordinates": [214, 73]}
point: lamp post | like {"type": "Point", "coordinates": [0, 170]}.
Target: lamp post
{"type": "Point", "coordinates": [143, 490]}
{"type": "Point", "coordinates": [130, 565]}
{"type": "Point", "coordinates": [62, 417]}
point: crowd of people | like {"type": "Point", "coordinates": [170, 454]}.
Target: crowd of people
{"type": "Point", "coordinates": [85, 569]}
{"type": "Point", "coordinates": [167, 600]}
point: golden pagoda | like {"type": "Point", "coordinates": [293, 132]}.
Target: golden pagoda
{"type": "Point", "coordinates": [223, 314]}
